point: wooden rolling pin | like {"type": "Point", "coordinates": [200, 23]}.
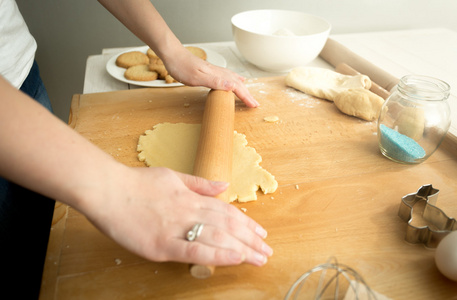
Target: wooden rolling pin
{"type": "Point", "coordinates": [335, 53]}
{"type": "Point", "coordinates": [375, 88]}
{"type": "Point", "coordinates": [215, 150]}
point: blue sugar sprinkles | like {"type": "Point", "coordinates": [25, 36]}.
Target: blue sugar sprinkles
{"type": "Point", "coordinates": [400, 147]}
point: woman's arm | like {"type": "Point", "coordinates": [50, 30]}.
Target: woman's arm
{"type": "Point", "coordinates": [146, 210]}
{"type": "Point", "coordinates": [141, 17]}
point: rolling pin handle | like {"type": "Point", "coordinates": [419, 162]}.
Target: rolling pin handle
{"type": "Point", "coordinates": [201, 271]}
{"type": "Point", "coordinates": [215, 150]}
{"type": "Point", "coordinates": [345, 69]}
{"type": "Point", "coordinates": [335, 53]}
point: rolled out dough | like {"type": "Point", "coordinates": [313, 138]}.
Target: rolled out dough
{"type": "Point", "coordinates": [175, 146]}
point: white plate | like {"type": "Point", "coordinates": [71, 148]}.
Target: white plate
{"type": "Point", "coordinates": [118, 73]}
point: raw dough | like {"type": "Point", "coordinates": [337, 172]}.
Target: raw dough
{"type": "Point", "coordinates": [164, 146]}
{"type": "Point", "coordinates": [175, 146]}
{"type": "Point", "coordinates": [271, 119]}
{"type": "Point", "coordinates": [324, 83]}
{"type": "Point", "coordinates": [411, 122]}
{"type": "Point", "coordinates": [359, 103]}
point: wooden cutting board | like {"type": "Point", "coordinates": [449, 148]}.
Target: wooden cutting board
{"type": "Point", "coordinates": [337, 197]}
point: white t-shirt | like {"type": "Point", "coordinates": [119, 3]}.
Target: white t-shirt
{"type": "Point", "coordinates": [17, 45]}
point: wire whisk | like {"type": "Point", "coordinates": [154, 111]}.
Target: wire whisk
{"type": "Point", "coordinates": [342, 279]}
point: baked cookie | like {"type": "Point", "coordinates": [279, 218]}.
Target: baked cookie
{"type": "Point", "coordinates": [158, 68]}
{"type": "Point", "coordinates": [140, 73]}
{"type": "Point", "coordinates": [169, 79]}
{"type": "Point", "coordinates": [199, 52]}
{"type": "Point", "coordinates": [155, 61]}
{"type": "Point", "coordinates": [151, 54]}
{"type": "Point", "coordinates": [130, 59]}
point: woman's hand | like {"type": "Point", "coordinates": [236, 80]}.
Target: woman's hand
{"type": "Point", "coordinates": [141, 17]}
{"type": "Point", "coordinates": [146, 210]}
{"type": "Point", "coordinates": [150, 210]}
{"type": "Point", "coordinates": [193, 71]}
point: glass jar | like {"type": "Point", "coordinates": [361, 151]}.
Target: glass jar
{"type": "Point", "coordinates": [414, 120]}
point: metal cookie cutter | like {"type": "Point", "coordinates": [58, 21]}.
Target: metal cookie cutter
{"type": "Point", "coordinates": [439, 224]}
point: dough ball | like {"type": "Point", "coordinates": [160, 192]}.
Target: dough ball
{"type": "Point", "coordinates": [360, 103]}
{"type": "Point", "coordinates": [411, 122]}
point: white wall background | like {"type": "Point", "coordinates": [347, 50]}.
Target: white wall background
{"type": "Point", "coordinates": [68, 31]}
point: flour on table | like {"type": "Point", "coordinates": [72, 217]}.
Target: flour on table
{"type": "Point", "coordinates": [175, 146]}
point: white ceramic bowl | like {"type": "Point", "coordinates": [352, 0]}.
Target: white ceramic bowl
{"type": "Point", "coordinates": [279, 40]}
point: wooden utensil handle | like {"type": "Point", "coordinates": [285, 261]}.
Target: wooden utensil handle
{"type": "Point", "coordinates": [215, 150]}
{"type": "Point", "coordinates": [335, 53]}
{"type": "Point", "coordinates": [375, 88]}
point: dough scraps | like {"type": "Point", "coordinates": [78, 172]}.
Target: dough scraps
{"type": "Point", "coordinates": [271, 119]}
{"type": "Point", "coordinates": [175, 146]}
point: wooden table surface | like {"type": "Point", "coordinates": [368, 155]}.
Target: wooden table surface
{"type": "Point", "coordinates": [429, 51]}
{"type": "Point", "coordinates": [337, 197]}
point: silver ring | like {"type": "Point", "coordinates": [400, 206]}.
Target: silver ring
{"type": "Point", "coordinates": [195, 232]}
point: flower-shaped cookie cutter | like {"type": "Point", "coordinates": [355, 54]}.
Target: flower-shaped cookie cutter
{"type": "Point", "coordinates": [439, 224]}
